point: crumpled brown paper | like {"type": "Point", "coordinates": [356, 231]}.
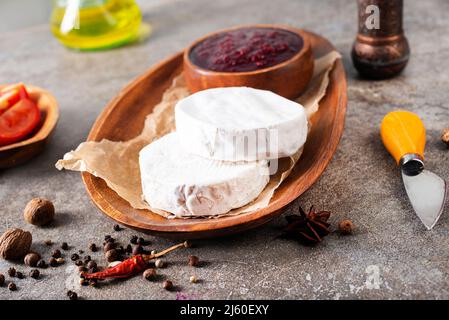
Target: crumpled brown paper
{"type": "Point", "coordinates": [117, 162]}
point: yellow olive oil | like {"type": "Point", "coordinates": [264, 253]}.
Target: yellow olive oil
{"type": "Point", "coordinates": [95, 24]}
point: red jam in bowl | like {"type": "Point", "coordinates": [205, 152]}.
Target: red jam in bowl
{"type": "Point", "coordinates": [246, 49]}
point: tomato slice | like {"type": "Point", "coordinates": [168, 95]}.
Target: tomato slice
{"type": "Point", "coordinates": [8, 99]}
{"type": "Point", "coordinates": [10, 95]}
{"type": "Point", "coordinates": [18, 121]}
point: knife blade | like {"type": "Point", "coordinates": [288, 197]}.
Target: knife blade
{"type": "Point", "coordinates": [427, 193]}
{"type": "Point", "coordinates": [404, 136]}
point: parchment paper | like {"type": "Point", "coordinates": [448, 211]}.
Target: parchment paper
{"type": "Point", "coordinates": [117, 162]}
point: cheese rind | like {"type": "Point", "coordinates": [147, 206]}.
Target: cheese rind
{"type": "Point", "coordinates": [189, 185]}
{"type": "Point", "coordinates": [241, 124]}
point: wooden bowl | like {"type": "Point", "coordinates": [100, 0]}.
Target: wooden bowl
{"type": "Point", "coordinates": [124, 117]}
{"type": "Point", "coordinates": [288, 79]}
{"type": "Point", "coordinates": [17, 153]}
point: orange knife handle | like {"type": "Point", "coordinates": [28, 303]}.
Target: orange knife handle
{"type": "Point", "coordinates": [403, 133]}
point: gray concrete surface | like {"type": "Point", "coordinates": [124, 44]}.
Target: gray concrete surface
{"type": "Point", "coordinates": [390, 256]}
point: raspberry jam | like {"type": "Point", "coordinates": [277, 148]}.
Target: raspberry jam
{"type": "Point", "coordinates": [246, 49]}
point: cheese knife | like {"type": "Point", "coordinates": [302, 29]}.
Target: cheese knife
{"type": "Point", "coordinates": [404, 136]}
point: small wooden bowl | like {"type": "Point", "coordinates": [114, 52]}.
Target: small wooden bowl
{"type": "Point", "coordinates": [288, 78]}
{"type": "Point", "coordinates": [17, 153]}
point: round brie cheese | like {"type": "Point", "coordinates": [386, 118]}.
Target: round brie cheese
{"type": "Point", "coordinates": [185, 184]}
{"type": "Point", "coordinates": [241, 124]}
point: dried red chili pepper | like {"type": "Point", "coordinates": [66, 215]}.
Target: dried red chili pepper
{"type": "Point", "coordinates": [125, 269]}
{"type": "Point", "coordinates": [131, 266]}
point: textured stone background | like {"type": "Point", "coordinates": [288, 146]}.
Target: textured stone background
{"type": "Point", "coordinates": [390, 256]}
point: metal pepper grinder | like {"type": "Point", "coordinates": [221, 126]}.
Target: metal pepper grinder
{"type": "Point", "coordinates": [381, 49]}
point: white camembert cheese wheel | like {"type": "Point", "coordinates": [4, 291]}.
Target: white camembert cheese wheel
{"type": "Point", "coordinates": [240, 124]}
{"type": "Point", "coordinates": [189, 185]}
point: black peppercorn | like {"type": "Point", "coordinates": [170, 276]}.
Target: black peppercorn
{"type": "Point", "coordinates": [72, 295]}
{"type": "Point", "coordinates": [112, 255]}
{"type": "Point", "coordinates": [93, 270]}
{"type": "Point", "coordinates": [112, 240]}
{"type": "Point", "coordinates": [2, 279]}
{"type": "Point", "coordinates": [194, 261]}
{"type": "Point", "coordinates": [64, 246]}
{"type": "Point", "coordinates": [48, 242]}
{"type": "Point", "coordinates": [109, 246]}
{"type": "Point", "coordinates": [91, 264]}
{"type": "Point", "coordinates": [87, 259]}
{"type": "Point", "coordinates": [93, 247]}
{"type": "Point", "coordinates": [34, 273]}
{"type": "Point", "coordinates": [134, 239]}
{"type": "Point", "coordinates": [167, 285]}
{"type": "Point", "coordinates": [84, 282]}
{"type": "Point", "coordinates": [42, 264]}
{"type": "Point", "coordinates": [12, 272]}
{"type": "Point", "coordinates": [12, 286]}
{"type": "Point", "coordinates": [129, 249]}
{"type": "Point", "coordinates": [56, 254]}
{"type": "Point", "coordinates": [79, 263]}
{"type": "Point", "coordinates": [141, 241]}
{"type": "Point", "coordinates": [80, 251]}
{"type": "Point", "coordinates": [52, 262]}
{"type": "Point", "coordinates": [107, 237]}
{"type": "Point", "coordinates": [31, 259]}
{"type": "Point", "coordinates": [74, 257]}
{"type": "Point", "coordinates": [149, 274]}
{"type": "Point", "coordinates": [117, 227]}
{"type": "Point", "coordinates": [137, 250]}
{"type": "Point", "coordinates": [19, 275]}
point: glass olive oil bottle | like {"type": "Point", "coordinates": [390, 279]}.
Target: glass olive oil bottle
{"type": "Point", "coordinates": [95, 24]}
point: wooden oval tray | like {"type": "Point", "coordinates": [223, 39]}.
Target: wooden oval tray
{"type": "Point", "coordinates": [138, 99]}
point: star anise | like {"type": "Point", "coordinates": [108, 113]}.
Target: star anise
{"type": "Point", "coordinates": [309, 227]}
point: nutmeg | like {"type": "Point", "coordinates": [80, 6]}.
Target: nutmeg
{"type": "Point", "coordinates": [31, 259]}
{"type": "Point", "coordinates": [39, 212]}
{"type": "Point", "coordinates": [15, 244]}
